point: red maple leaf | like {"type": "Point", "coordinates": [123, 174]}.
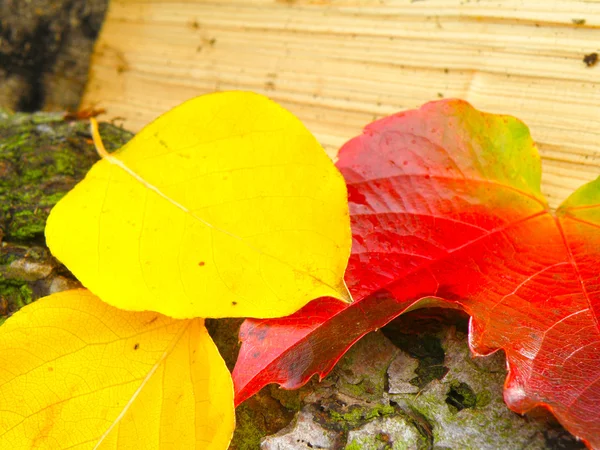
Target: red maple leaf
{"type": "Point", "coordinates": [447, 211]}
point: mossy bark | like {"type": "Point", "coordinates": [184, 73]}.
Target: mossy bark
{"type": "Point", "coordinates": [42, 156]}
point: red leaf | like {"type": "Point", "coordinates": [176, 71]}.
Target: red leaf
{"type": "Point", "coordinates": [446, 206]}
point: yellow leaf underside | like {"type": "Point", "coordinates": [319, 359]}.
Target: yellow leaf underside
{"type": "Point", "coordinates": [225, 206]}
{"type": "Point", "coordinates": [77, 373]}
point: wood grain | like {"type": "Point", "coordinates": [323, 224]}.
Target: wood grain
{"type": "Point", "coordinates": [338, 65]}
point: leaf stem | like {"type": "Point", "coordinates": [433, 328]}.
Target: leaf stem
{"type": "Point", "coordinates": [97, 139]}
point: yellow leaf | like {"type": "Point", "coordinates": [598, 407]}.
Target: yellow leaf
{"type": "Point", "coordinates": [225, 206]}
{"type": "Point", "coordinates": [77, 373]}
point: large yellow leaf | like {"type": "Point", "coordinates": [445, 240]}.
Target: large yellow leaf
{"type": "Point", "coordinates": [225, 206]}
{"type": "Point", "coordinates": [77, 373]}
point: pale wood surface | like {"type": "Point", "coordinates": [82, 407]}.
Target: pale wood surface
{"type": "Point", "coordinates": [338, 65]}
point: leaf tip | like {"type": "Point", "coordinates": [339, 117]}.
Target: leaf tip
{"type": "Point", "coordinates": [344, 293]}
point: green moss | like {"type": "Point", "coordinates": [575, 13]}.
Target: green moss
{"type": "Point", "coordinates": [6, 258]}
{"type": "Point", "coordinates": [248, 431]}
{"type": "Point", "coordinates": [362, 374]}
{"type": "Point", "coordinates": [382, 441]}
{"type": "Point", "coordinates": [460, 396]}
{"type": "Point", "coordinates": [352, 417]}
{"type": "Point", "coordinates": [52, 199]}
{"type": "Point", "coordinates": [365, 389]}
{"type": "Point", "coordinates": [25, 295]}
{"type": "Point", "coordinates": [357, 415]}
{"type": "Point", "coordinates": [41, 158]}
{"type": "Point", "coordinates": [484, 398]}
{"type": "Point", "coordinates": [289, 399]}
{"type": "Point", "coordinates": [64, 163]}
{"type": "Point", "coordinates": [14, 292]}
{"type": "Point", "coordinates": [381, 411]}
{"type": "Point", "coordinates": [354, 446]}
{"type": "Point", "coordinates": [26, 225]}
{"type": "Point", "coordinates": [259, 416]}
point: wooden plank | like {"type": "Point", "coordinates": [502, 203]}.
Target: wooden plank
{"type": "Point", "coordinates": [340, 64]}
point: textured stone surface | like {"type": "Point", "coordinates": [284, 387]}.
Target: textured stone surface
{"type": "Point", "coordinates": [302, 433]}
{"type": "Point", "coordinates": [399, 434]}
{"type": "Point", "coordinates": [425, 392]}
{"type": "Point", "coordinates": [465, 408]}
{"type": "Point", "coordinates": [401, 371]}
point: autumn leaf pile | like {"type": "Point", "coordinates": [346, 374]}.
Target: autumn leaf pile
{"type": "Point", "coordinates": [227, 206]}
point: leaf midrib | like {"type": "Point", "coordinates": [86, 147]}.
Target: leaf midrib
{"type": "Point", "coordinates": [146, 379]}
{"type": "Point", "coordinates": [111, 159]}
